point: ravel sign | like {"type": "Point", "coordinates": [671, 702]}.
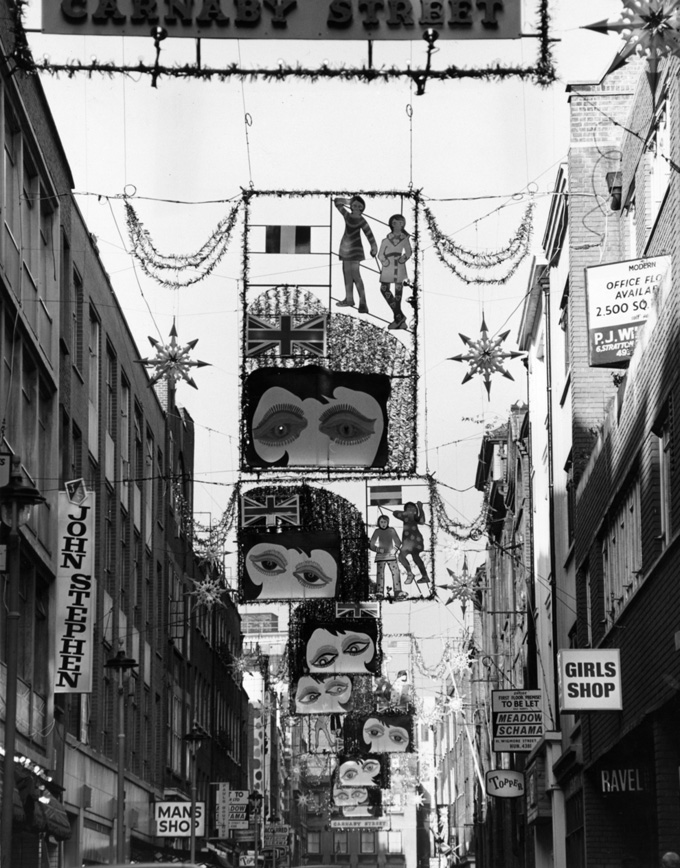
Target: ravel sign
{"type": "Point", "coordinates": [286, 19]}
{"type": "Point", "coordinates": [516, 720]}
{"type": "Point", "coordinates": [620, 296]}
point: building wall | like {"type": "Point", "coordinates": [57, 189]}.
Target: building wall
{"type": "Point", "coordinates": [72, 407]}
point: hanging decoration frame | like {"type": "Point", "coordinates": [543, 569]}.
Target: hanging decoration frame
{"type": "Point", "coordinates": [541, 72]}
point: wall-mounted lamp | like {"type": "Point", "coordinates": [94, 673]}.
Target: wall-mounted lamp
{"type": "Point", "coordinates": [614, 186]}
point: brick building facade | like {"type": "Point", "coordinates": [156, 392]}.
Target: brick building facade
{"type": "Point", "coordinates": [75, 403]}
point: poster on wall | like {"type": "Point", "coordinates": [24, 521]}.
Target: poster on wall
{"type": "Point", "coordinates": [620, 298]}
{"type": "Point", "coordinates": [75, 589]}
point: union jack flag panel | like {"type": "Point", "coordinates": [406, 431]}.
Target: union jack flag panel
{"type": "Point", "coordinates": [270, 510]}
{"type": "Point", "coordinates": [286, 336]}
{"type": "Point", "coordinates": [357, 610]}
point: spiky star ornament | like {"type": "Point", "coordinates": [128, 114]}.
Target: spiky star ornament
{"type": "Point", "coordinates": [172, 361]}
{"type": "Point", "coordinates": [650, 29]}
{"type": "Point", "coordinates": [462, 587]}
{"type": "Point", "coordinates": [485, 356]}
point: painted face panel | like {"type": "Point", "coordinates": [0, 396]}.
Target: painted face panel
{"type": "Point", "coordinates": [359, 773]}
{"type": "Point", "coordinates": [382, 736]}
{"type": "Point", "coordinates": [331, 694]}
{"type": "Point", "coordinates": [314, 417]}
{"type": "Point", "coordinates": [348, 651]}
{"type": "Point", "coordinates": [345, 797]}
{"type": "Point", "coordinates": [278, 570]}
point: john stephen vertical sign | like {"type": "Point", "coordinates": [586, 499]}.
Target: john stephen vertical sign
{"type": "Point", "coordinates": [75, 593]}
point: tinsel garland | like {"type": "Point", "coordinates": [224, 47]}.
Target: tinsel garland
{"type": "Point", "coordinates": [516, 250]}
{"type": "Point", "coordinates": [204, 260]}
{"type": "Point", "coordinates": [542, 74]}
{"type": "Point", "coordinates": [452, 658]}
{"type": "Point", "coordinates": [456, 529]}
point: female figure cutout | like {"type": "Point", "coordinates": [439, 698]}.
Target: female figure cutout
{"type": "Point", "coordinates": [412, 539]}
{"type": "Point", "coordinates": [352, 250]}
{"type": "Point", "coordinates": [395, 249]}
{"type": "Point", "coordinates": [385, 543]}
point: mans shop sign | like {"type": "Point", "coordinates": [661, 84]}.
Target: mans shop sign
{"type": "Point", "coordinates": [589, 679]}
{"type": "Point", "coordinates": [173, 819]}
{"type": "Point", "coordinates": [286, 19]}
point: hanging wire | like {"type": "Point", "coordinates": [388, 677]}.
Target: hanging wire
{"type": "Point", "coordinates": [247, 121]}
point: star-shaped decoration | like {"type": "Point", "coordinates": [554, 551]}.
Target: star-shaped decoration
{"type": "Point", "coordinates": [303, 800]}
{"type": "Point", "coordinates": [208, 592]}
{"type": "Point", "coordinates": [172, 361]}
{"type": "Point", "coordinates": [650, 29]}
{"type": "Point", "coordinates": [418, 800]}
{"type": "Point", "coordinates": [485, 356]}
{"type": "Point", "coordinates": [461, 587]}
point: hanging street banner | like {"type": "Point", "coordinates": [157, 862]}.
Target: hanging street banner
{"type": "Point", "coordinates": [286, 19]}
{"type": "Point", "coordinates": [75, 589]}
{"type": "Point", "coordinates": [516, 720]}
{"type": "Point", "coordinates": [620, 296]}
{"type": "Point", "coordinates": [590, 679]}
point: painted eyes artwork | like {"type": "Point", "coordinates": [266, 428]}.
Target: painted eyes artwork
{"type": "Point", "coordinates": [356, 802]}
{"type": "Point", "coordinates": [290, 565]}
{"type": "Point", "coordinates": [323, 694]}
{"type": "Point", "coordinates": [379, 733]}
{"type": "Point", "coordinates": [349, 646]}
{"type": "Point", "coordinates": [359, 772]}
{"type": "Point", "coordinates": [313, 417]}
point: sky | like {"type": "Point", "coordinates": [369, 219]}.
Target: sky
{"type": "Point", "coordinates": [477, 151]}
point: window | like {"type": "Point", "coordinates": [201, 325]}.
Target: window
{"type": "Point", "coordinates": [630, 221]}
{"type": "Point", "coordinates": [77, 321]}
{"type": "Point", "coordinates": [575, 837]}
{"type": "Point", "coordinates": [564, 325]}
{"type": "Point", "coordinates": [313, 843]}
{"type": "Point", "coordinates": [366, 842]}
{"type": "Point", "coordinates": [340, 843]}
{"type": "Point", "coordinates": [124, 441]}
{"type": "Point", "coordinates": [663, 433]}
{"type": "Point", "coordinates": [621, 552]}
{"type": "Point", "coordinates": [659, 151]}
{"type": "Point", "coordinates": [111, 419]}
{"type": "Point", "coordinates": [394, 842]}
{"type": "Point", "coordinates": [571, 497]}
{"type": "Point", "coordinates": [93, 384]}
{"type": "Point", "coordinates": [11, 173]}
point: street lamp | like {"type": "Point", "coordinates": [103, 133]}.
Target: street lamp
{"type": "Point", "coordinates": [16, 502]}
{"type": "Point", "coordinates": [255, 800]}
{"type": "Point", "coordinates": [194, 737]}
{"type": "Point", "coordinates": [121, 663]}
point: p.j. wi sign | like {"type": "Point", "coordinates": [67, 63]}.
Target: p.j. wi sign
{"type": "Point", "coordinates": [287, 19]}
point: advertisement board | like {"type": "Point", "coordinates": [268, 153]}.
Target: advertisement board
{"type": "Point", "coordinates": [173, 819]}
{"type": "Point", "coordinates": [619, 297]}
{"type": "Point", "coordinates": [516, 720]}
{"type": "Point", "coordinates": [504, 783]}
{"type": "Point", "coordinates": [589, 679]}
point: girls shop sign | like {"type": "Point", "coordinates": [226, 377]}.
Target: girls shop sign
{"type": "Point", "coordinates": [75, 590]}
{"type": "Point", "coordinates": [287, 19]}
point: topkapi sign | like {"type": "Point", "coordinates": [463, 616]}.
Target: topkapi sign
{"type": "Point", "coordinates": [286, 19]}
